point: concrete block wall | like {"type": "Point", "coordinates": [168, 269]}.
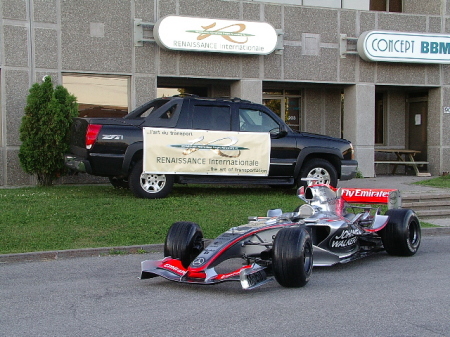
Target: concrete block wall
{"type": "Point", "coordinates": [50, 37]}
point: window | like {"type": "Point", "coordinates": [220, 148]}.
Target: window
{"type": "Point", "coordinates": [286, 104]}
{"type": "Point", "coordinates": [99, 95]}
{"type": "Point", "coordinates": [379, 118]}
{"type": "Point", "coordinates": [210, 117]}
{"type": "Point", "coordinates": [256, 121]}
{"type": "Point", "coordinates": [386, 5]}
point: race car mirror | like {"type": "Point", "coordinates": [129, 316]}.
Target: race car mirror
{"type": "Point", "coordinates": [274, 212]}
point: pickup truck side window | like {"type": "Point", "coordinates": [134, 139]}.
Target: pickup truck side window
{"type": "Point", "coordinates": [146, 109]}
{"type": "Point", "coordinates": [256, 121]}
{"type": "Point", "coordinates": [163, 116]}
{"type": "Point", "coordinates": [211, 117]}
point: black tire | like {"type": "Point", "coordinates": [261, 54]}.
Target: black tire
{"type": "Point", "coordinates": [149, 185]}
{"type": "Point", "coordinates": [184, 241]}
{"type": "Point", "coordinates": [292, 257]}
{"type": "Point", "coordinates": [319, 169]}
{"type": "Point", "coordinates": [402, 234]}
{"type": "Point", "coordinates": [119, 182]}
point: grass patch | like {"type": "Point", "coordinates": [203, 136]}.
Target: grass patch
{"type": "Point", "coordinates": [424, 224]}
{"type": "Point", "coordinates": [70, 217]}
{"type": "Point", "coordinates": [442, 182]}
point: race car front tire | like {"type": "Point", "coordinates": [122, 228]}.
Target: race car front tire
{"type": "Point", "coordinates": [184, 241]}
{"type": "Point", "coordinates": [402, 234]}
{"type": "Point", "coordinates": [292, 259]}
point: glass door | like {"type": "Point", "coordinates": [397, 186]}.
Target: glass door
{"type": "Point", "coordinates": [286, 104]}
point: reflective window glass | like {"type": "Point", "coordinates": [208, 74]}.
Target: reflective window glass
{"type": "Point", "coordinates": [99, 95]}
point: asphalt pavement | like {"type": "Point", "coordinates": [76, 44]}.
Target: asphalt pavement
{"type": "Point", "coordinates": [378, 296]}
{"type": "Point", "coordinates": [405, 184]}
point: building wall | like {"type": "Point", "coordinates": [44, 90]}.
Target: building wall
{"type": "Point", "coordinates": [50, 37]}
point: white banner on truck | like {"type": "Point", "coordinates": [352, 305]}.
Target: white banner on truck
{"type": "Point", "coordinates": [185, 151]}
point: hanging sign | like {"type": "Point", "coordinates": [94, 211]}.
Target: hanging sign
{"type": "Point", "coordinates": [215, 35]}
{"type": "Point", "coordinates": [385, 46]}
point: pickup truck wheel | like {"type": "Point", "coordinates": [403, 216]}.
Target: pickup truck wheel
{"type": "Point", "coordinates": [149, 185]}
{"type": "Point", "coordinates": [319, 169]}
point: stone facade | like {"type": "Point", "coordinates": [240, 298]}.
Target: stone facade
{"type": "Point", "coordinates": [53, 37]}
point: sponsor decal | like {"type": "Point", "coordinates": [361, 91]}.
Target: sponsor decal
{"type": "Point", "coordinates": [215, 35]}
{"type": "Point", "coordinates": [232, 274]}
{"type": "Point", "coordinates": [174, 269]}
{"type": "Point", "coordinates": [198, 261]}
{"type": "Point", "coordinates": [365, 193]}
{"type": "Point", "coordinates": [346, 238]}
{"type": "Point", "coordinates": [404, 47]}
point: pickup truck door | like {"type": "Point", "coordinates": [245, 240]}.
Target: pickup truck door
{"type": "Point", "coordinates": [284, 151]}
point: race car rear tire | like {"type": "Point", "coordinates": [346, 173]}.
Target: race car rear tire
{"type": "Point", "coordinates": [402, 234]}
{"type": "Point", "coordinates": [184, 241]}
{"type": "Point", "coordinates": [292, 257]}
{"type": "Point", "coordinates": [149, 185]}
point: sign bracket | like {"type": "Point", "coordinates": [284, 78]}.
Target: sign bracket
{"type": "Point", "coordinates": [344, 45]}
{"type": "Point", "coordinates": [143, 32]}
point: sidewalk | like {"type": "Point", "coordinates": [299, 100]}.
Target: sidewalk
{"type": "Point", "coordinates": [403, 183]}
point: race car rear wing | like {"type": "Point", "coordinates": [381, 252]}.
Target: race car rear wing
{"type": "Point", "coordinates": [392, 198]}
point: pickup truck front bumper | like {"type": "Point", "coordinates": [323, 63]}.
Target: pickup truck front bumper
{"type": "Point", "coordinates": [348, 169]}
{"type": "Point", "coordinates": [77, 163]}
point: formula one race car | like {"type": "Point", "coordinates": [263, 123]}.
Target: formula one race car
{"type": "Point", "coordinates": [324, 231]}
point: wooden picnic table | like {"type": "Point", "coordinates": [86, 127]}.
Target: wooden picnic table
{"type": "Point", "coordinates": [403, 157]}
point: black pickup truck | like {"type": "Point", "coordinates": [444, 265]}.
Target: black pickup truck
{"type": "Point", "coordinates": [113, 147]}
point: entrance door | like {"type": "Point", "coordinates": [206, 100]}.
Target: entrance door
{"type": "Point", "coordinates": [417, 126]}
{"type": "Point", "coordinates": [286, 104]}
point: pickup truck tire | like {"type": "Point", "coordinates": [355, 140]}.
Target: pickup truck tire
{"type": "Point", "coordinates": [149, 185]}
{"type": "Point", "coordinates": [319, 169]}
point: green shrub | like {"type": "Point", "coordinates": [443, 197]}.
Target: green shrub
{"type": "Point", "coordinates": [44, 131]}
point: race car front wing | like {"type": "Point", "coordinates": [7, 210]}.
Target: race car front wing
{"type": "Point", "coordinates": [250, 276]}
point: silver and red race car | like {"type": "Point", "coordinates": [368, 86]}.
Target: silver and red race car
{"type": "Point", "coordinates": [327, 229]}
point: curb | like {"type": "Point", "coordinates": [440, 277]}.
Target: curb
{"type": "Point", "coordinates": [85, 252]}
{"type": "Point", "coordinates": [143, 249]}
